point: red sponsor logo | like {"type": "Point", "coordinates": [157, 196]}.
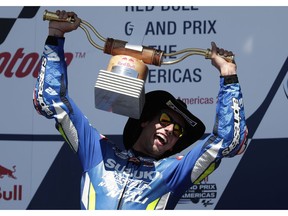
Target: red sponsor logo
{"type": "Point", "coordinates": [7, 172]}
{"type": "Point", "coordinates": [127, 62]}
{"type": "Point", "coordinates": [21, 64]}
{"type": "Point", "coordinates": [14, 193]}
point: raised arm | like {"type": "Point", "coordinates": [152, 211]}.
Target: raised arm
{"type": "Point", "coordinates": [51, 98]}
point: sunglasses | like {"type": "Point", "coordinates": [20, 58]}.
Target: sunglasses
{"type": "Point", "coordinates": [166, 120]}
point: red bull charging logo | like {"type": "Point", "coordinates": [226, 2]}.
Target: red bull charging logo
{"type": "Point", "coordinates": [7, 172]}
{"type": "Point", "coordinates": [14, 193]}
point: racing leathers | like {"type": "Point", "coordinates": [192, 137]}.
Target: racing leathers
{"type": "Point", "coordinates": [115, 178]}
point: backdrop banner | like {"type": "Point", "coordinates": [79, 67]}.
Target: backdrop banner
{"type": "Point", "coordinates": [39, 171]}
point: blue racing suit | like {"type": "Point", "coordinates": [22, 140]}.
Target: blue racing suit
{"type": "Point", "coordinates": [114, 178]}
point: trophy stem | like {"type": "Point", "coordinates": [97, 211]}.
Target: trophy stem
{"type": "Point", "coordinates": [118, 47]}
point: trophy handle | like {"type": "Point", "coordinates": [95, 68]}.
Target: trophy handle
{"type": "Point", "coordinates": [118, 47]}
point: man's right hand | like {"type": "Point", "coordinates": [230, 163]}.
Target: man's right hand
{"type": "Point", "coordinates": [58, 28]}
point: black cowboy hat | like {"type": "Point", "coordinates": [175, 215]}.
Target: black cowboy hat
{"type": "Point", "coordinates": [155, 101]}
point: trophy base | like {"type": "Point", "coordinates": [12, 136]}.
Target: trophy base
{"type": "Point", "coordinates": [119, 94]}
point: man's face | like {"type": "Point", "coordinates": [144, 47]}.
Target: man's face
{"type": "Point", "coordinates": [159, 136]}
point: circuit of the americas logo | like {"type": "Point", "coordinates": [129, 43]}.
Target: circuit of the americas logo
{"type": "Point", "coordinates": [7, 24]}
{"type": "Point", "coordinates": [200, 193]}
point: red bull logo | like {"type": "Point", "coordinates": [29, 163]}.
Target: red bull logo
{"type": "Point", "coordinates": [127, 62]}
{"type": "Point", "coordinates": [7, 172]}
{"type": "Point", "coordinates": [14, 193]}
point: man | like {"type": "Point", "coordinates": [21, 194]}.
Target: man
{"type": "Point", "coordinates": [145, 175]}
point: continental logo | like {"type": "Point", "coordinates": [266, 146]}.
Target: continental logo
{"type": "Point", "coordinates": [8, 23]}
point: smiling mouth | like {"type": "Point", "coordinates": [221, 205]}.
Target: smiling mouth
{"type": "Point", "coordinates": [161, 138]}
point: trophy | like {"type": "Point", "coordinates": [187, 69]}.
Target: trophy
{"type": "Point", "coordinates": [120, 88]}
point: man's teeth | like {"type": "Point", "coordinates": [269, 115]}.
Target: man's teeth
{"type": "Point", "coordinates": [162, 138]}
